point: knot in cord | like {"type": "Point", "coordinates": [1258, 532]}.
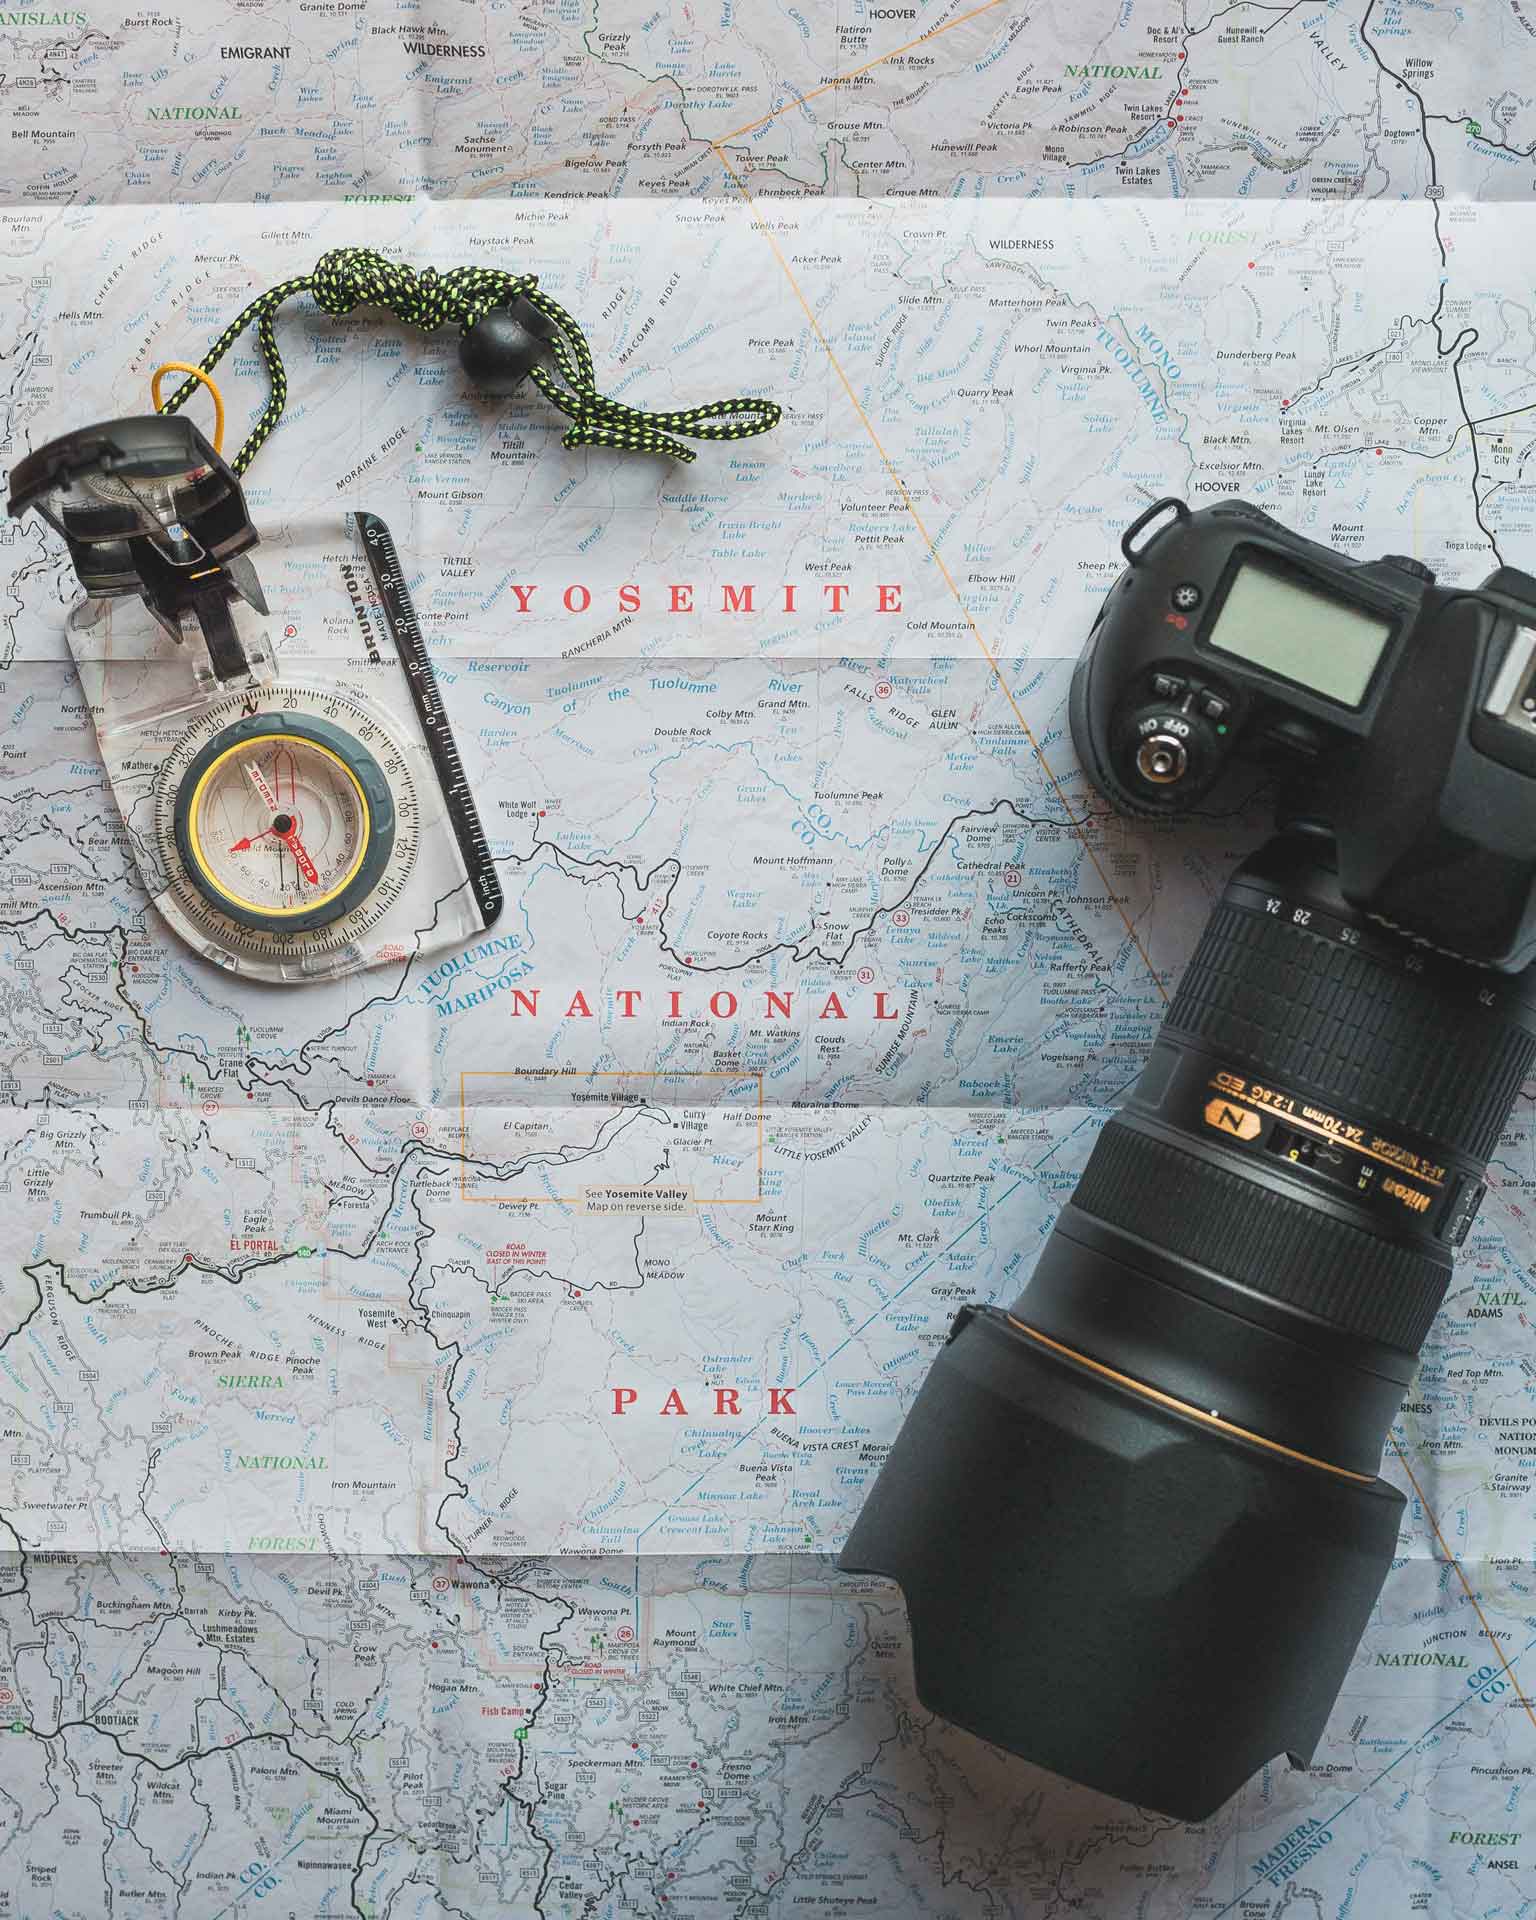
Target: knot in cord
{"type": "Point", "coordinates": [350, 277]}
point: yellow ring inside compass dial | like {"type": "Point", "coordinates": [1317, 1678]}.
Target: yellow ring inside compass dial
{"type": "Point", "coordinates": [216, 880]}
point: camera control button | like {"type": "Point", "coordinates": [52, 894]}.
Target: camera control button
{"type": "Point", "coordinates": [1161, 759]}
{"type": "Point", "coordinates": [1213, 707]}
{"type": "Point", "coordinates": [1168, 686]}
{"type": "Point", "coordinates": [1405, 563]}
{"type": "Point", "coordinates": [1186, 596]}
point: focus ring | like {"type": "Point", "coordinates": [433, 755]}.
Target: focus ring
{"type": "Point", "coordinates": [1372, 1039]}
{"type": "Point", "coordinates": [1288, 1251]}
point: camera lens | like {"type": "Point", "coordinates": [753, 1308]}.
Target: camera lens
{"type": "Point", "coordinates": [1137, 1516]}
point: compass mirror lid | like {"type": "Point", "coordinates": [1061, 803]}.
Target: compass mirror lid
{"type": "Point", "coordinates": [144, 504]}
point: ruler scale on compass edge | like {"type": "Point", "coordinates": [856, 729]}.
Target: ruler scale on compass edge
{"type": "Point", "coordinates": [405, 630]}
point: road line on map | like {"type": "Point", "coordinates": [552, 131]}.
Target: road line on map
{"type": "Point", "coordinates": [842, 79]}
{"type": "Point", "coordinates": [1072, 820]}
{"type": "Point", "coordinates": [757, 1426]}
{"type": "Point", "coordinates": [1456, 1566]}
{"type": "Point", "coordinates": [927, 1267]}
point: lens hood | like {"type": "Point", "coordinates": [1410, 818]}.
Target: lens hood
{"type": "Point", "coordinates": [1121, 1590]}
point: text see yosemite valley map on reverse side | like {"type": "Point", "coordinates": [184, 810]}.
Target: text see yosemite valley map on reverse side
{"type": "Point", "coordinates": [432, 1403]}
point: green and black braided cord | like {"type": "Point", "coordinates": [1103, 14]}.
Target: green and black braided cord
{"type": "Point", "coordinates": [349, 277]}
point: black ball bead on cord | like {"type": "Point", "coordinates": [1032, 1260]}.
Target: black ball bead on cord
{"type": "Point", "coordinates": [503, 346]}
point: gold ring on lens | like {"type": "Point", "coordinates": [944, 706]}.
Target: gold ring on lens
{"type": "Point", "coordinates": [1183, 1406]}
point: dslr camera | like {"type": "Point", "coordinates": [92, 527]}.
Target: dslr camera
{"type": "Point", "coordinates": [1137, 1515]}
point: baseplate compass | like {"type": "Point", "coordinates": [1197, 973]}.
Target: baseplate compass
{"type": "Point", "coordinates": [309, 816]}
{"type": "Point", "coordinates": [286, 822]}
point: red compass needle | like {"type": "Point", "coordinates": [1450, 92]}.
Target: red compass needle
{"type": "Point", "coordinates": [307, 868]}
{"type": "Point", "coordinates": [245, 845]}
{"type": "Point", "coordinates": [290, 839]}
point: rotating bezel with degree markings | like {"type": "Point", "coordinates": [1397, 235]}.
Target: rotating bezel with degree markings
{"type": "Point", "coordinates": [290, 825]}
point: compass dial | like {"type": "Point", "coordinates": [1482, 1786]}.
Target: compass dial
{"type": "Point", "coordinates": [284, 822]}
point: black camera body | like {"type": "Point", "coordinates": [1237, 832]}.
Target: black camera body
{"type": "Point", "coordinates": [1397, 716]}
{"type": "Point", "coordinates": [1137, 1514]}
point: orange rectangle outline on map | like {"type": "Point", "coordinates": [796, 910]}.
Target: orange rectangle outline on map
{"type": "Point", "coordinates": [615, 1073]}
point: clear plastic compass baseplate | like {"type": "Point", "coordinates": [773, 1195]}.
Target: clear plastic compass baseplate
{"type": "Point", "coordinates": [309, 817]}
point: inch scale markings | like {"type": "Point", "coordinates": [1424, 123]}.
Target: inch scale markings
{"type": "Point", "coordinates": [405, 631]}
